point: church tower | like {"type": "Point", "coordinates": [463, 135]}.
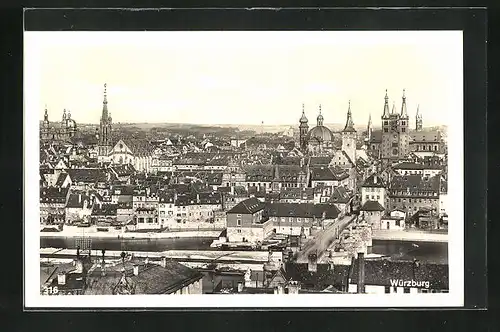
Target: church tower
{"type": "Point", "coordinates": [45, 125]}
{"type": "Point", "coordinates": [404, 132]}
{"type": "Point", "coordinates": [105, 129]}
{"type": "Point", "coordinates": [349, 136]}
{"type": "Point", "coordinates": [369, 129]}
{"type": "Point", "coordinates": [303, 130]}
{"type": "Point", "coordinates": [418, 120]}
{"type": "Point", "coordinates": [395, 133]}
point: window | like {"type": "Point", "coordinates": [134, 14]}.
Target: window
{"type": "Point", "coordinates": [367, 197]}
{"type": "Point", "coordinates": [395, 151]}
{"type": "Point", "coordinates": [387, 289]}
{"type": "Point", "coordinates": [378, 197]}
{"type": "Point", "coordinates": [386, 123]}
{"type": "Point", "coordinates": [403, 130]}
{"type": "Point", "coordinates": [386, 130]}
{"type": "Point", "coordinates": [238, 222]}
{"type": "Point", "coordinates": [406, 290]}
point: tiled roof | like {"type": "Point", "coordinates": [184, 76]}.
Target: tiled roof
{"type": "Point", "coordinates": [324, 173]}
{"type": "Point", "coordinates": [123, 190]}
{"type": "Point", "coordinates": [248, 206]}
{"type": "Point", "coordinates": [167, 197]}
{"type": "Point", "coordinates": [88, 175]}
{"type": "Point", "coordinates": [211, 178]}
{"type": "Point", "coordinates": [104, 209]}
{"type": "Point", "coordinates": [416, 166]}
{"type": "Point", "coordinates": [374, 180]}
{"type": "Point", "coordinates": [415, 183]}
{"type": "Point", "coordinates": [151, 279]}
{"type": "Point", "coordinates": [324, 276]}
{"type": "Point", "coordinates": [372, 206]}
{"type": "Point", "coordinates": [123, 170]}
{"type": "Point", "coordinates": [60, 179]}
{"type": "Point", "coordinates": [318, 161]}
{"type": "Point", "coordinates": [302, 210]}
{"type": "Point", "coordinates": [76, 200]}
{"type": "Point", "coordinates": [139, 147]}
{"type": "Point", "coordinates": [53, 195]}
{"type": "Point", "coordinates": [259, 173]}
{"type": "Point", "coordinates": [340, 195]}
{"type": "Point", "coordinates": [297, 193]}
{"type": "Point", "coordinates": [425, 136]}
{"type": "Point", "coordinates": [380, 272]}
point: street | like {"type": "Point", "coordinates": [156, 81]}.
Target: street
{"type": "Point", "coordinates": [322, 240]}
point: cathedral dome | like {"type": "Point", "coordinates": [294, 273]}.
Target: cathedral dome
{"type": "Point", "coordinates": [321, 133]}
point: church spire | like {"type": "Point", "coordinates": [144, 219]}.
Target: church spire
{"type": "Point", "coordinates": [404, 113]}
{"type": "Point", "coordinates": [393, 111]}
{"type": "Point", "coordinates": [105, 104]}
{"type": "Point", "coordinates": [303, 118]}
{"type": "Point", "coordinates": [386, 105]}
{"type": "Point", "coordinates": [349, 125]}
{"type": "Point", "coordinates": [46, 114]}
{"type": "Point", "coordinates": [320, 117]}
{"type": "Point", "coordinates": [418, 119]}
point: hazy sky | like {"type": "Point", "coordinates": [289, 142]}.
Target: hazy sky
{"type": "Point", "coordinates": [243, 77]}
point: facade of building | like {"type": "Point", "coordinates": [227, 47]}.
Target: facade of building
{"type": "Point", "coordinates": [374, 189]}
{"type": "Point", "coordinates": [58, 131]}
{"type": "Point", "coordinates": [53, 205]}
{"type": "Point", "coordinates": [247, 223]}
{"type": "Point", "coordinates": [409, 168]}
{"type": "Point", "coordinates": [395, 132]}
{"type": "Point", "coordinates": [411, 193]}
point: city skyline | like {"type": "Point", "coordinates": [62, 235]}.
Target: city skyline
{"type": "Point", "coordinates": [174, 85]}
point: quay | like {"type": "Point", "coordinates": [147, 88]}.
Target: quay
{"type": "Point", "coordinates": [233, 257]}
{"type": "Point", "coordinates": [411, 235]}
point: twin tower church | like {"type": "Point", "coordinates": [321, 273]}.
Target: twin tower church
{"type": "Point", "coordinates": [392, 143]}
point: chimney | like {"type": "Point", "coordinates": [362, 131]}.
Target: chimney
{"type": "Point", "coordinates": [281, 289]}
{"type": "Point", "coordinates": [240, 287]}
{"type": "Point", "coordinates": [164, 262]}
{"type": "Point", "coordinates": [312, 264]}
{"type": "Point", "coordinates": [103, 263]}
{"type": "Point", "coordinates": [79, 198]}
{"type": "Point", "coordinates": [361, 272]}
{"type": "Point", "coordinates": [293, 287]}
{"type": "Point", "coordinates": [136, 270]}
{"type": "Point", "coordinates": [61, 279]}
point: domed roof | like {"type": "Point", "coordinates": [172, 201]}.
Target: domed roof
{"type": "Point", "coordinates": [321, 133]}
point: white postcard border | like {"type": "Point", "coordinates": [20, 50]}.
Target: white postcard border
{"type": "Point", "coordinates": [33, 298]}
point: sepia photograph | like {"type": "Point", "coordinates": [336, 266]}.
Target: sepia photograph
{"type": "Point", "coordinates": [243, 168]}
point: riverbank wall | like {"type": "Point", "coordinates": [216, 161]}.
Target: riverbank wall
{"type": "Point", "coordinates": [415, 236]}
{"type": "Point", "coordinates": [254, 257]}
{"type": "Point", "coordinates": [76, 232]}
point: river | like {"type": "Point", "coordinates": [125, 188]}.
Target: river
{"type": "Point", "coordinates": [432, 252]}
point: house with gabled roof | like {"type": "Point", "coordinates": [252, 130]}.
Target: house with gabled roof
{"type": "Point", "coordinates": [374, 189]}
{"type": "Point", "coordinates": [246, 222]}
